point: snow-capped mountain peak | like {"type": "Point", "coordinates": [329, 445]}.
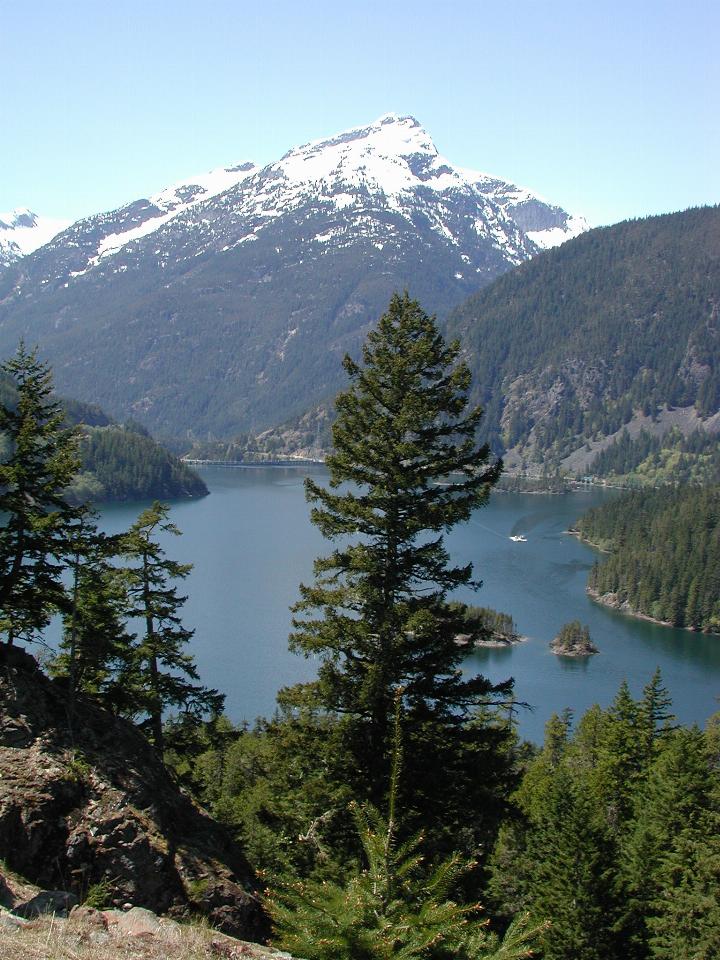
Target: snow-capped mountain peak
{"type": "Point", "coordinates": [393, 155]}
{"type": "Point", "coordinates": [387, 169]}
{"type": "Point", "coordinates": [395, 160]}
{"type": "Point", "coordinates": [225, 301]}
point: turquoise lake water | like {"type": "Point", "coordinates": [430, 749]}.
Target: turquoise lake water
{"type": "Point", "coordinates": [251, 543]}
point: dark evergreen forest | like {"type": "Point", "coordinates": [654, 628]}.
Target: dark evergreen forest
{"type": "Point", "coordinates": [621, 320]}
{"type": "Point", "coordinates": [125, 463]}
{"type": "Point", "coordinates": [664, 553]}
{"type": "Point", "coordinates": [117, 462]}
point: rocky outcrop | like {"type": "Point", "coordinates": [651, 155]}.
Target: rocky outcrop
{"type": "Point", "coordinates": [92, 804]}
{"type": "Point", "coordinates": [133, 934]}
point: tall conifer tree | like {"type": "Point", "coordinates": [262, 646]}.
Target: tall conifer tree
{"type": "Point", "coordinates": [39, 461]}
{"type": "Point", "coordinates": [405, 469]}
{"type": "Point", "coordinates": [161, 670]}
{"type": "Point", "coordinates": [95, 646]}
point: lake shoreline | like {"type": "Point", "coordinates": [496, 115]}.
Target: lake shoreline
{"type": "Point", "coordinates": [612, 602]}
{"type": "Point", "coordinates": [499, 643]}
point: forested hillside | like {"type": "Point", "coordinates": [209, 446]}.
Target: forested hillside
{"type": "Point", "coordinates": [664, 557]}
{"type": "Point", "coordinates": [118, 462]}
{"type": "Point", "coordinates": [617, 838]}
{"type": "Point", "coordinates": [619, 322]}
{"type": "Point", "coordinates": [125, 463]}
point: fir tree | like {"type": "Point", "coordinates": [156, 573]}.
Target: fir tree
{"type": "Point", "coordinates": [676, 796]}
{"type": "Point", "coordinates": [392, 908]}
{"type": "Point", "coordinates": [684, 922]}
{"type": "Point", "coordinates": [95, 646]}
{"type": "Point", "coordinates": [405, 468]}
{"type": "Point", "coordinates": [40, 461]}
{"type": "Point", "coordinates": [161, 670]}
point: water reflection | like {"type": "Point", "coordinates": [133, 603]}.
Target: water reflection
{"type": "Point", "coordinates": [574, 664]}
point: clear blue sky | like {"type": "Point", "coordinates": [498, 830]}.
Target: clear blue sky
{"type": "Point", "coordinates": [610, 109]}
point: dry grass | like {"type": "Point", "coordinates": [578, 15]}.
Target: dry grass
{"type": "Point", "coordinates": [52, 939]}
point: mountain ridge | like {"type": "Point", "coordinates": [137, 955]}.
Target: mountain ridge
{"type": "Point", "coordinates": [207, 313]}
{"type": "Point", "coordinates": [175, 199]}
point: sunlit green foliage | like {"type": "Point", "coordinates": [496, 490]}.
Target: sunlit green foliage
{"type": "Point", "coordinates": [613, 821]}
{"type": "Point", "coordinates": [653, 459]}
{"type": "Point", "coordinates": [393, 907]}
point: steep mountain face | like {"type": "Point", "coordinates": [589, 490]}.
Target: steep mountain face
{"type": "Point", "coordinates": [618, 330]}
{"type": "Point", "coordinates": [22, 232]}
{"type": "Point", "coordinates": [225, 304]}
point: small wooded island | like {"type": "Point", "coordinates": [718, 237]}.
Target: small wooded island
{"type": "Point", "coordinates": [573, 641]}
{"type": "Point", "coordinates": [485, 627]}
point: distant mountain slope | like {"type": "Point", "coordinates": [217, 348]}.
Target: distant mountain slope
{"type": "Point", "coordinates": [211, 313]}
{"type": "Point", "coordinates": [611, 329]}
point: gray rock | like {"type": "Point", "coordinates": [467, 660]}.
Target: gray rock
{"type": "Point", "coordinates": [14, 732]}
{"type": "Point", "coordinates": [138, 921]}
{"type": "Point", "coordinates": [57, 902]}
{"type": "Point", "coordinates": [118, 817]}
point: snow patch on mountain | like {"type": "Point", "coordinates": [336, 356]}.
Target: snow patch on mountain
{"type": "Point", "coordinates": [545, 224]}
{"type": "Point", "coordinates": [378, 157]}
{"type": "Point", "coordinates": [172, 201]}
{"type": "Point", "coordinates": [22, 232]}
{"type": "Point", "coordinates": [554, 236]}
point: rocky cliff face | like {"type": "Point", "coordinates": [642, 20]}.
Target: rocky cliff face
{"type": "Point", "coordinates": [94, 804]}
